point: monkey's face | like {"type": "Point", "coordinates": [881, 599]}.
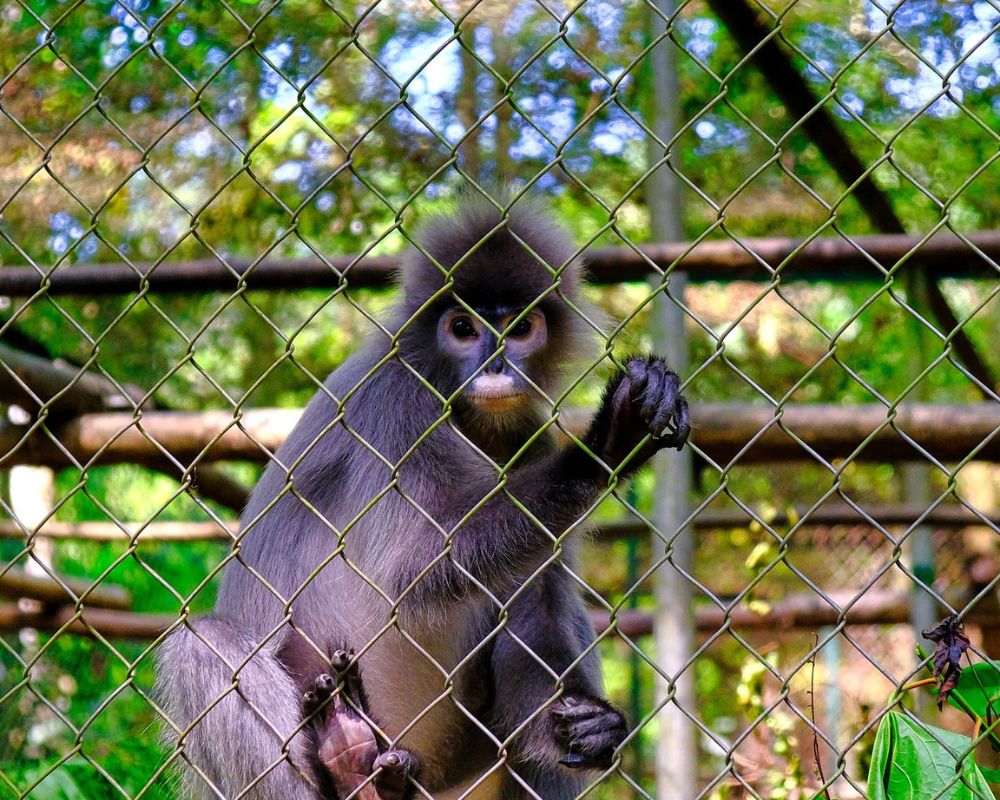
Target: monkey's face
{"type": "Point", "coordinates": [492, 352]}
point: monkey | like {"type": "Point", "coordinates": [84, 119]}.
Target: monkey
{"type": "Point", "coordinates": [424, 511]}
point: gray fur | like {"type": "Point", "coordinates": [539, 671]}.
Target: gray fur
{"type": "Point", "coordinates": [333, 506]}
{"type": "Point", "coordinates": [262, 710]}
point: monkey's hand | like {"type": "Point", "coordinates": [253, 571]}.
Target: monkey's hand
{"type": "Point", "coordinates": [644, 400]}
{"type": "Point", "coordinates": [589, 730]}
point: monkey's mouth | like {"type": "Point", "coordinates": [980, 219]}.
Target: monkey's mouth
{"type": "Point", "coordinates": [495, 402]}
{"type": "Point", "coordinates": [494, 393]}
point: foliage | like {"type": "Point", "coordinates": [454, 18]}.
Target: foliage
{"type": "Point", "coordinates": [913, 760]}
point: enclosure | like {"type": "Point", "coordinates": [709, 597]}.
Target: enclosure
{"type": "Point", "coordinates": [796, 203]}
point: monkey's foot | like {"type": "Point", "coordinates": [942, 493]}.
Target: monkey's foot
{"type": "Point", "coordinates": [590, 730]}
{"type": "Point", "coordinates": [345, 742]}
{"type": "Point", "coordinates": [395, 768]}
{"type": "Point", "coordinates": [347, 746]}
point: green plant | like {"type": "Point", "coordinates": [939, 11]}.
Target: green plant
{"type": "Point", "coordinates": [913, 760]}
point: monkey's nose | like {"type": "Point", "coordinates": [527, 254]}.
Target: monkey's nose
{"type": "Point", "coordinates": [495, 367]}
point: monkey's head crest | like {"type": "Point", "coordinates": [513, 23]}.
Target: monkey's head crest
{"type": "Point", "coordinates": [492, 259]}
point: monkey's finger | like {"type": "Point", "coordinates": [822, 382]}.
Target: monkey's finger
{"type": "Point", "coordinates": [578, 761]}
{"type": "Point", "coordinates": [583, 710]}
{"type": "Point", "coordinates": [654, 390]}
{"type": "Point", "coordinates": [620, 411]}
{"type": "Point", "coordinates": [571, 715]}
{"type": "Point", "coordinates": [638, 374]}
{"type": "Point", "coordinates": [574, 761]}
{"type": "Point", "coordinates": [667, 407]}
{"type": "Point", "coordinates": [682, 424]}
{"type": "Point", "coordinates": [601, 725]}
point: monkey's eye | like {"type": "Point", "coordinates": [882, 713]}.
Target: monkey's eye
{"type": "Point", "coordinates": [523, 328]}
{"type": "Point", "coordinates": [463, 328]}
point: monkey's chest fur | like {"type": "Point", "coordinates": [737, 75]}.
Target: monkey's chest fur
{"type": "Point", "coordinates": [393, 563]}
{"type": "Point", "coordinates": [429, 683]}
{"type": "Point", "coordinates": [426, 667]}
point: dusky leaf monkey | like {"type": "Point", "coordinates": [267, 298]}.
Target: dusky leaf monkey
{"type": "Point", "coordinates": [413, 514]}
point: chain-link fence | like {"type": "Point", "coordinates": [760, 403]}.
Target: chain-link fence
{"type": "Point", "coordinates": [202, 207]}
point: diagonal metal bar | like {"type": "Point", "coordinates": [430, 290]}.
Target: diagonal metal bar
{"type": "Point", "coordinates": [760, 42]}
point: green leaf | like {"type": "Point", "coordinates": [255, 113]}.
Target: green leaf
{"type": "Point", "coordinates": [991, 775]}
{"type": "Point", "coordinates": [979, 688]}
{"type": "Point", "coordinates": [915, 761]}
{"type": "Point", "coordinates": [59, 785]}
{"type": "Point", "coordinates": [978, 693]}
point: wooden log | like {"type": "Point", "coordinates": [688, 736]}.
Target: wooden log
{"type": "Point", "coordinates": [126, 531]}
{"type": "Point", "coordinates": [753, 259]}
{"type": "Point", "coordinates": [951, 515]}
{"type": "Point", "coordinates": [112, 438]}
{"type": "Point", "coordinates": [947, 432]}
{"type": "Point", "coordinates": [26, 379]}
{"type": "Point", "coordinates": [723, 431]}
{"type": "Point", "coordinates": [107, 622]}
{"type": "Point", "coordinates": [806, 611]}
{"type": "Point", "coordinates": [29, 381]}
{"type": "Point", "coordinates": [213, 484]}
{"type": "Point", "coordinates": [17, 583]}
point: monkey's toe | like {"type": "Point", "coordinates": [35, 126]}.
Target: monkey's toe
{"type": "Point", "coordinates": [321, 690]}
{"type": "Point", "coordinates": [340, 660]}
{"type": "Point", "coordinates": [399, 760]}
{"type": "Point", "coordinates": [590, 730]}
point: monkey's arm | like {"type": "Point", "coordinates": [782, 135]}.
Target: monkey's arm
{"type": "Point", "coordinates": [509, 534]}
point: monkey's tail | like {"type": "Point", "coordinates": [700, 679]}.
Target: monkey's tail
{"type": "Point", "coordinates": [233, 716]}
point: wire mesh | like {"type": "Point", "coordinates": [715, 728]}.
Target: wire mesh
{"type": "Point", "coordinates": [201, 209]}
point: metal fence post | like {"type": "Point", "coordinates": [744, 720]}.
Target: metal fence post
{"type": "Point", "coordinates": [917, 478]}
{"type": "Point", "coordinates": [676, 752]}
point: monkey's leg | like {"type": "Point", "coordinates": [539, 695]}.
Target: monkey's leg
{"type": "Point", "coordinates": [559, 739]}
{"type": "Point", "coordinates": [235, 717]}
{"type": "Point", "coordinates": [347, 745]}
